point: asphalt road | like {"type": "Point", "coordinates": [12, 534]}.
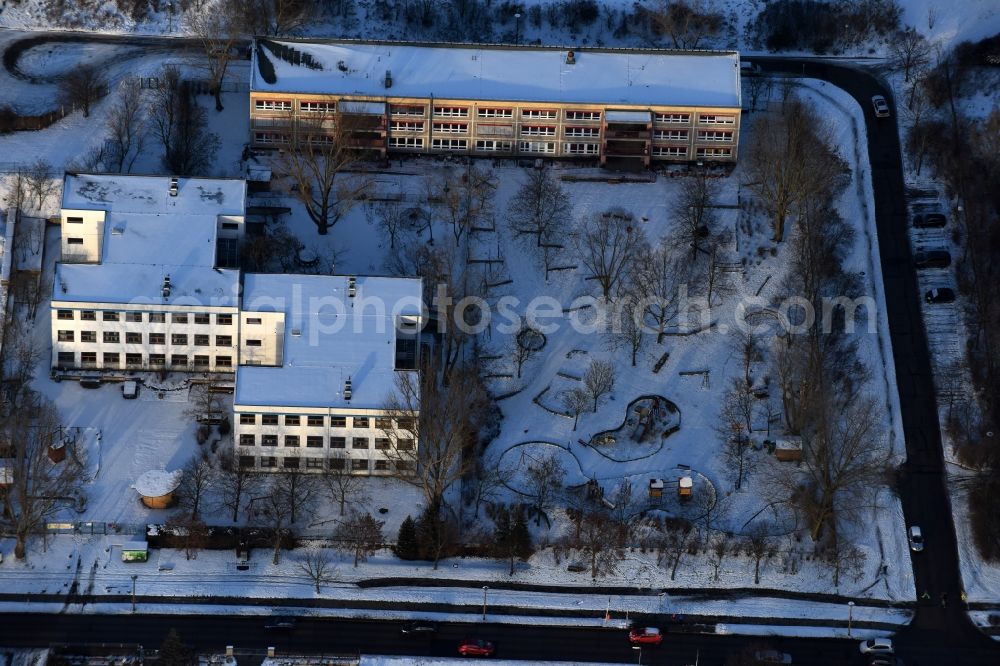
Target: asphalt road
{"type": "Point", "coordinates": [379, 637]}
{"type": "Point", "coordinates": [937, 635]}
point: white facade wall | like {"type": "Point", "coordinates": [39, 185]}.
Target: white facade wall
{"type": "Point", "coordinates": [82, 235]}
{"type": "Point", "coordinates": [69, 336]}
{"type": "Point", "coordinates": [250, 434]}
{"type": "Point", "coordinates": [262, 336]}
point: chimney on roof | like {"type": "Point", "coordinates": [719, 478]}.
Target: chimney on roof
{"type": "Point", "coordinates": [570, 58]}
{"type": "Point", "coordinates": [388, 79]}
{"type": "Point", "coordinates": [173, 187]}
{"type": "Point", "coordinates": [347, 389]}
{"type": "Point", "coordinates": [166, 286]}
{"type": "Point", "coordinates": [352, 287]}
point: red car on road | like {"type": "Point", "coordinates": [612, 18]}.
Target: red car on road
{"type": "Point", "coordinates": [645, 636]}
{"type": "Point", "coordinates": [476, 648]}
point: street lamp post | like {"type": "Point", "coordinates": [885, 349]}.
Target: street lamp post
{"type": "Point", "coordinates": [850, 617]}
{"type": "Point", "coordinates": [134, 576]}
{"type": "Point", "coordinates": [517, 28]}
{"type": "Point", "coordinates": [485, 589]}
{"type": "Point", "coordinates": [638, 648]}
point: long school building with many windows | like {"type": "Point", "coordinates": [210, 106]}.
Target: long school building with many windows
{"type": "Point", "coordinates": [619, 107]}
{"type": "Point", "coordinates": [147, 277]}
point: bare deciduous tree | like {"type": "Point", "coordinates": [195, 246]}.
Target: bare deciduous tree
{"type": "Point", "coordinates": [276, 17]}
{"type": "Point", "coordinates": [219, 33]}
{"type": "Point", "coordinates": [467, 200]}
{"type": "Point", "coordinates": [38, 488]}
{"type": "Point", "coordinates": [488, 481]}
{"type": "Point", "coordinates": [790, 161]}
{"type": "Point", "coordinates": [237, 484]}
{"type": "Point", "coordinates": [677, 538]}
{"type": "Point", "coordinates": [843, 460]}
{"type": "Point", "coordinates": [126, 123]}
{"type": "Point", "coordinates": [608, 247]}
{"type": "Point", "coordinates": [910, 51]}
{"type": "Point", "coordinates": [180, 125]}
{"type": "Point", "coordinates": [696, 217]}
{"type": "Point", "coordinates": [544, 482]}
{"type": "Point", "coordinates": [360, 536]}
{"type": "Point", "coordinates": [390, 216]}
{"type": "Point", "coordinates": [317, 163]}
{"type": "Point", "coordinates": [318, 566]}
{"type": "Point", "coordinates": [686, 23]}
{"type": "Point", "coordinates": [759, 545]}
{"type": "Point", "coordinates": [627, 329]}
{"type": "Point", "coordinates": [540, 209]}
{"type": "Point", "coordinates": [41, 182]}
{"type": "Point", "coordinates": [442, 419]}
{"type": "Point", "coordinates": [735, 427]}
{"type": "Point", "coordinates": [599, 380]}
{"type": "Point", "coordinates": [271, 508]}
{"type": "Point", "coordinates": [300, 491]}
{"type": "Point", "coordinates": [197, 478]}
{"type": "Point", "coordinates": [344, 488]}
{"type": "Point", "coordinates": [83, 85]}
{"type": "Point", "coordinates": [660, 282]}
{"type": "Point", "coordinates": [599, 540]}
{"type": "Point", "coordinates": [575, 401]}
{"type": "Point", "coordinates": [719, 548]}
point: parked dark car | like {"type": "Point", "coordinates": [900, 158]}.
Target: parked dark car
{"type": "Point", "coordinates": [419, 628]}
{"type": "Point", "coordinates": [925, 220]}
{"type": "Point", "coordinates": [940, 295]}
{"type": "Point", "coordinates": [932, 259]}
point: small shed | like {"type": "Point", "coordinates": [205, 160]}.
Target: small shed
{"type": "Point", "coordinates": [156, 488]}
{"type": "Point", "coordinates": [788, 448]}
{"type": "Point", "coordinates": [684, 487]}
{"type": "Point", "coordinates": [656, 488]}
{"type": "Point", "coordinates": [135, 551]}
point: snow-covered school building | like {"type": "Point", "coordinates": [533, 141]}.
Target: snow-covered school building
{"type": "Point", "coordinates": [319, 356]}
{"type": "Point", "coordinates": [148, 280]}
{"type": "Point", "coordinates": [148, 276]}
{"type": "Point", "coordinates": [621, 107]}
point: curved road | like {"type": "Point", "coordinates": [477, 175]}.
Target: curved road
{"type": "Point", "coordinates": [936, 636]}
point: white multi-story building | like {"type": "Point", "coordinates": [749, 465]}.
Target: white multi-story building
{"type": "Point", "coordinates": [148, 277]}
{"type": "Point", "coordinates": [320, 355]}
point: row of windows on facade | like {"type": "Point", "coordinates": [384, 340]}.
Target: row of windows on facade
{"type": "Point", "coordinates": [552, 130]}
{"type": "Point", "coordinates": [135, 338]}
{"type": "Point", "coordinates": [151, 317]}
{"type": "Point", "coordinates": [537, 147]}
{"type": "Point", "coordinates": [285, 105]}
{"type": "Point", "coordinates": [113, 360]}
{"type": "Point", "coordinates": [320, 442]}
{"type": "Point", "coordinates": [339, 464]}
{"type": "Point", "coordinates": [319, 421]}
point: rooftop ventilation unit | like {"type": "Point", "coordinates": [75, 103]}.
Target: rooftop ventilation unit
{"type": "Point", "coordinates": [166, 286]}
{"type": "Point", "coordinates": [347, 389]}
{"type": "Point", "coordinates": [388, 79]}
{"type": "Point", "coordinates": [352, 287]}
{"type": "Point", "coordinates": [118, 230]}
{"type": "Point", "coordinates": [570, 58]}
{"type": "Point", "coordinates": [173, 187]}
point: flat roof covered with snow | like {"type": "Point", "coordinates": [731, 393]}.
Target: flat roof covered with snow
{"type": "Point", "coordinates": [328, 338]}
{"type": "Point", "coordinates": [515, 73]}
{"type": "Point", "coordinates": [149, 235]}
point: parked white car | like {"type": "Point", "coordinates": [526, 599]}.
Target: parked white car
{"type": "Point", "coordinates": [916, 539]}
{"type": "Point", "coordinates": [881, 106]}
{"type": "Point", "coordinates": [876, 646]}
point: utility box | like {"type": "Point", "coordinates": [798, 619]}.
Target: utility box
{"type": "Point", "coordinates": [135, 551]}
